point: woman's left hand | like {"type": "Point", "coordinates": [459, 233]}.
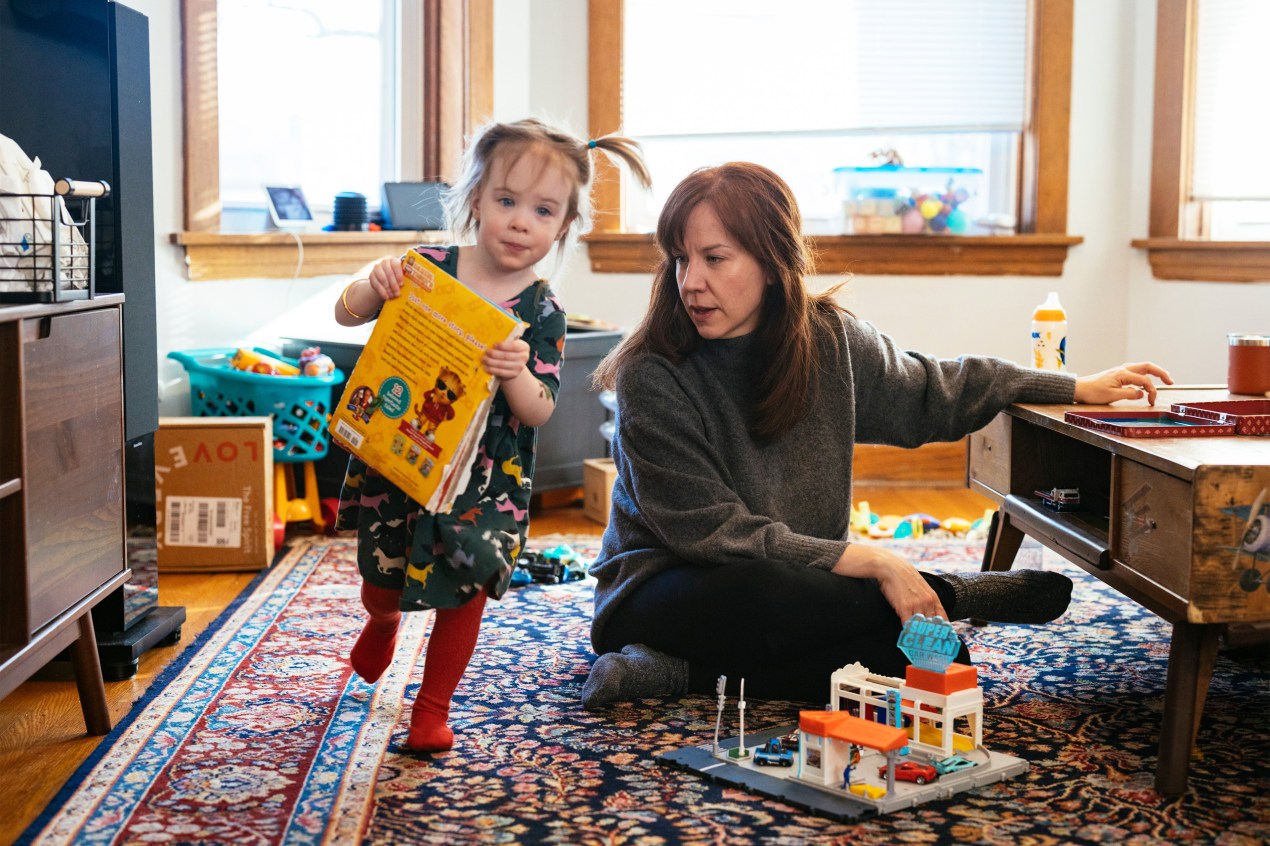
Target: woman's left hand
{"type": "Point", "coordinates": [507, 359]}
{"type": "Point", "coordinates": [1128, 381]}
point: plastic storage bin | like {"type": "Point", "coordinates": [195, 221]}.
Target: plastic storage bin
{"type": "Point", "coordinates": [299, 405]}
{"type": "Point", "coordinates": [893, 199]}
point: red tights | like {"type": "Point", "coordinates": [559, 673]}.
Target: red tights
{"type": "Point", "coordinates": [450, 647]}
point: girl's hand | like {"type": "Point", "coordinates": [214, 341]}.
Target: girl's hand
{"type": "Point", "coordinates": [904, 588]}
{"type": "Point", "coordinates": [1128, 381]}
{"type": "Point", "coordinates": [507, 359]}
{"type": "Point", "coordinates": [385, 279]}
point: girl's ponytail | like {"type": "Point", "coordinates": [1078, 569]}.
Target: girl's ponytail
{"type": "Point", "coordinates": [629, 151]}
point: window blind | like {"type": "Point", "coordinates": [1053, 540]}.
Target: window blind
{"type": "Point", "coordinates": [823, 66]}
{"type": "Point", "coordinates": [1231, 121]}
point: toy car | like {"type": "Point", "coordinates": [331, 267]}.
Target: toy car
{"type": "Point", "coordinates": [548, 571]}
{"type": "Point", "coordinates": [551, 567]}
{"type": "Point", "coordinates": [1060, 499]}
{"type": "Point", "coordinates": [520, 576]}
{"type": "Point", "coordinates": [790, 741]}
{"type": "Point", "coordinates": [772, 753]}
{"type": "Point", "coordinates": [564, 563]}
{"type": "Point", "coordinates": [952, 764]}
{"type": "Point", "coordinates": [912, 771]}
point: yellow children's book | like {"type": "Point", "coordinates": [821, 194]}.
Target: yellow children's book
{"type": "Point", "coordinates": [415, 406]}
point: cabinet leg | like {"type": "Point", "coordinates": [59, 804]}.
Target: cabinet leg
{"type": "Point", "coordinates": [1192, 653]}
{"type": "Point", "coordinates": [88, 679]}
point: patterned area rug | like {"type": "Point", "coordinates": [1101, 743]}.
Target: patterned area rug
{"type": "Point", "coordinates": [259, 734]}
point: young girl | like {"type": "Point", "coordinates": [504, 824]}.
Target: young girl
{"type": "Point", "coordinates": [524, 188]}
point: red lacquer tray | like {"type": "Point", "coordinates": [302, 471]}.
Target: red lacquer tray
{"type": "Point", "coordinates": [1146, 423]}
{"type": "Point", "coordinates": [1251, 417]}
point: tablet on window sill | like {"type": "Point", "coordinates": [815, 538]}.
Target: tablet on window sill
{"type": "Point", "coordinates": [288, 209]}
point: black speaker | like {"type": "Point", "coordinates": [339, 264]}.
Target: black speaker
{"type": "Point", "coordinates": [133, 191]}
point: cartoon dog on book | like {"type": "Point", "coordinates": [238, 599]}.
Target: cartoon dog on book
{"type": "Point", "coordinates": [438, 403]}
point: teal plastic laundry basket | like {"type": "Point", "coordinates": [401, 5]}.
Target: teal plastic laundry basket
{"type": "Point", "coordinates": [299, 405]}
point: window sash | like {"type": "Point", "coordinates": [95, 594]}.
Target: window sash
{"type": "Point", "coordinates": [1039, 248]}
{"type": "Point", "coordinates": [1230, 131]}
{"type": "Point", "coordinates": [457, 82]}
{"type": "Point", "coordinates": [1174, 245]}
{"type": "Point", "coordinates": [959, 68]}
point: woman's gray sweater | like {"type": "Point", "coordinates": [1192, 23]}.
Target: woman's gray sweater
{"type": "Point", "coordinates": [694, 487]}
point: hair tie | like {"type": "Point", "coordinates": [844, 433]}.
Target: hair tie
{"type": "Point", "coordinates": [590, 145]}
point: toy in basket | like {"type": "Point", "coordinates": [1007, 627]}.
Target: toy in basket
{"type": "Point", "coordinates": [298, 404]}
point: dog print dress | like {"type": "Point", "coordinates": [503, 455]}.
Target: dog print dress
{"type": "Point", "coordinates": [442, 560]}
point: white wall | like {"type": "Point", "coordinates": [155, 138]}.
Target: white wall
{"type": "Point", "coordinates": [1117, 310]}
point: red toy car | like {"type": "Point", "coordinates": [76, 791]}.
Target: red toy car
{"type": "Point", "coordinates": [911, 771]}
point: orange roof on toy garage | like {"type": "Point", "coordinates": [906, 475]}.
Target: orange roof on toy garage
{"type": "Point", "coordinates": [852, 729]}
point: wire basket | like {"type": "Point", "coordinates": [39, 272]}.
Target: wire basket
{"type": "Point", "coordinates": [299, 405]}
{"type": "Point", "coordinates": [47, 243]}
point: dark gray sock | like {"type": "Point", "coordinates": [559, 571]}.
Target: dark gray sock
{"type": "Point", "coordinates": [1015, 596]}
{"type": "Point", "coordinates": [636, 672]}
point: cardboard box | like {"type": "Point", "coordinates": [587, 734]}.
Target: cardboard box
{"type": "Point", "coordinates": [213, 479]}
{"type": "Point", "coordinates": [598, 475]}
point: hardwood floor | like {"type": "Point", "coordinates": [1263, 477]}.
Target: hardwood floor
{"type": "Point", "coordinates": [42, 737]}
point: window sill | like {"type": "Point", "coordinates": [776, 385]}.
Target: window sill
{"type": "Point", "coordinates": [1214, 261]}
{"type": "Point", "coordinates": [275, 254]}
{"type": "Point", "coordinates": [882, 255]}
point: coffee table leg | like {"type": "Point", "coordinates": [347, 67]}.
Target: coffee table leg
{"type": "Point", "coordinates": [1004, 540]}
{"type": "Point", "coordinates": [1191, 657]}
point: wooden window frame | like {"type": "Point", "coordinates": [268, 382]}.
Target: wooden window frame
{"type": "Point", "coordinates": [1039, 250]}
{"type": "Point", "coordinates": [1171, 254]}
{"type": "Point", "coordinates": [458, 59]}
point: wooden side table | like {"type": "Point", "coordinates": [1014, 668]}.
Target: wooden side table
{"type": "Point", "coordinates": [61, 488]}
{"type": "Point", "coordinates": [1163, 521]}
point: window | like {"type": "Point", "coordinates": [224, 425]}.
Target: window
{"type": "Point", "coordinates": [1210, 192]}
{"type": "Point", "coordinates": [308, 96]}
{"type": "Point", "coordinates": [1012, 127]}
{"type": "Point", "coordinates": [950, 102]}
{"type": "Point", "coordinates": [442, 81]}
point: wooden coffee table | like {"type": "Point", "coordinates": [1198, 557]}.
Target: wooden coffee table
{"type": "Point", "coordinates": [1165, 521]}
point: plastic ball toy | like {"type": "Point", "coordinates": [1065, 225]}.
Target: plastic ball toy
{"type": "Point", "coordinates": [912, 222]}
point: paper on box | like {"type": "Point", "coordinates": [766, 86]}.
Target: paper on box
{"type": "Point", "coordinates": [214, 493]}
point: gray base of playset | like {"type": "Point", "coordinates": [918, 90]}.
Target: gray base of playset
{"type": "Point", "coordinates": [832, 802]}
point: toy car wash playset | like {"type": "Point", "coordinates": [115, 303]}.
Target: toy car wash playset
{"type": "Point", "coordinates": [882, 745]}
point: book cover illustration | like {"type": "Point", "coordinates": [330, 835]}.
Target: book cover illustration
{"type": "Point", "coordinates": [416, 403]}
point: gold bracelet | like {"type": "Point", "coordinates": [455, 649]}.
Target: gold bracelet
{"type": "Point", "coordinates": [344, 300]}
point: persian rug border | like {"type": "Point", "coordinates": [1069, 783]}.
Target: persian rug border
{"type": "Point", "coordinates": [325, 809]}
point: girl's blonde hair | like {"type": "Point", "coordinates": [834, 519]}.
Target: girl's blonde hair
{"type": "Point", "coordinates": [531, 135]}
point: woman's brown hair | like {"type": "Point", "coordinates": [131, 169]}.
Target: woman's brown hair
{"type": "Point", "coordinates": [757, 209]}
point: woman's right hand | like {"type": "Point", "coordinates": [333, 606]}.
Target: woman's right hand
{"type": "Point", "coordinates": [385, 278]}
{"type": "Point", "coordinates": [904, 588]}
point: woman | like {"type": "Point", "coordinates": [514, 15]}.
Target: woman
{"type": "Point", "coordinates": [741, 396]}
